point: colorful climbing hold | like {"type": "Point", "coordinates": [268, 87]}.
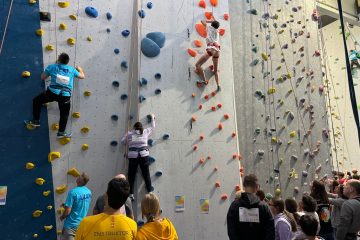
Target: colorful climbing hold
{"type": "Point", "coordinates": [226, 116]}
{"type": "Point", "coordinates": [214, 3]}
{"type": "Point", "coordinates": [271, 90]}
{"type": "Point", "coordinates": [200, 106]}
{"type": "Point", "coordinates": [29, 165]}
{"type": "Point", "coordinates": [219, 105]}
{"type": "Point", "coordinates": [37, 213]}
{"type": "Point", "coordinates": [108, 16]}
{"type": "Point", "coordinates": [125, 33]}
{"type": "Point", "coordinates": [85, 147]}
{"type": "Point", "coordinates": [192, 52]}
{"type": "Point", "coordinates": [201, 30]}
{"type": "Point", "coordinates": [40, 32]}
{"type": "Point", "coordinates": [293, 134]}
{"type": "Point", "coordinates": [193, 119]}
{"type": "Point", "coordinates": [233, 134]}
{"type": "Point", "coordinates": [91, 12]}
{"type": "Point", "coordinates": [71, 41]}
{"type": "Point", "coordinates": [76, 115]}
{"type": "Point", "coordinates": [224, 196]}
{"type": "Point", "coordinates": [197, 43]}
{"type": "Point", "coordinates": [89, 38]}
{"type": "Point", "coordinates": [141, 13]}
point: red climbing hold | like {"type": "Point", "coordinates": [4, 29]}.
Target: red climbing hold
{"type": "Point", "coordinates": [208, 158]}
{"type": "Point", "coordinates": [219, 105]}
{"type": "Point", "coordinates": [201, 137]}
{"type": "Point", "coordinates": [213, 108]}
{"type": "Point", "coordinates": [202, 4]}
{"type": "Point", "coordinates": [195, 147]}
{"type": "Point", "coordinates": [193, 95]}
{"type": "Point", "coordinates": [317, 53]}
{"type": "Point", "coordinates": [213, 93]}
{"type": "Point", "coordinates": [202, 160]}
{"type": "Point", "coordinates": [214, 2]}
{"type": "Point", "coordinates": [193, 119]}
{"type": "Point", "coordinates": [237, 187]}
{"type": "Point", "coordinates": [224, 196]}
{"type": "Point", "coordinates": [208, 15]}
{"type": "Point", "coordinates": [220, 126]}
{"type": "Point", "coordinates": [226, 16]}
{"type": "Point", "coordinates": [201, 30]}
{"type": "Point", "coordinates": [200, 106]}
{"type": "Point", "coordinates": [234, 156]}
{"type": "Point", "coordinates": [233, 134]}
{"type": "Point", "coordinates": [192, 52]}
{"type": "Point", "coordinates": [226, 116]}
{"type": "Point", "coordinates": [217, 184]}
{"type": "Point", "coordinates": [206, 97]}
{"type": "Point", "coordinates": [197, 43]}
{"type": "Point", "coordinates": [216, 168]}
{"type": "Point", "coordinates": [221, 31]}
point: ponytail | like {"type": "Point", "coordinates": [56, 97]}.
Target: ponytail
{"type": "Point", "coordinates": [291, 220]}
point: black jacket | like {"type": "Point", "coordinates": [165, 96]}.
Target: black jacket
{"type": "Point", "coordinates": [237, 230]}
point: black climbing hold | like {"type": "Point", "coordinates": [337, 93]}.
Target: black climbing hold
{"type": "Point", "coordinates": [150, 142]}
{"type": "Point", "coordinates": [123, 97]}
{"type": "Point", "coordinates": [131, 117]}
{"type": "Point", "coordinates": [45, 16]}
{"type": "Point", "coordinates": [157, 91]}
{"type": "Point", "coordinates": [116, 51]}
{"type": "Point", "coordinates": [157, 75]}
{"type": "Point", "coordinates": [125, 33]}
{"type": "Point", "coordinates": [108, 30]}
{"type": "Point", "coordinates": [158, 173]}
{"type": "Point", "coordinates": [108, 16]}
{"type": "Point", "coordinates": [141, 98]}
{"type": "Point", "coordinates": [115, 84]}
{"type": "Point", "coordinates": [166, 136]}
{"type": "Point", "coordinates": [149, 118]}
{"type": "Point", "coordinates": [143, 82]}
{"type": "Point", "coordinates": [124, 64]}
{"type": "Point", "coordinates": [141, 13]}
{"type": "Point", "coordinates": [149, 5]}
{"type": "Point", "coordinates": [114, 143]}
{"type": "Point", "coordinates": [114, 117]}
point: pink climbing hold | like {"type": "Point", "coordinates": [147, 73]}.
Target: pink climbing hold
{"type": "Point", "coordinates": [192, 52]}
{"type": "Point", "coordinates": [202, 161]}
{"type": "Point", "coordinates": [224, 196]}
{"type": "Point", "coordinates": [317, 53]}
{"type": "Point", "coordinates": [197, 43]}
{"type": "Point", "coordinates": [208, 158]}
{"type": "Point", "coordinates": [212, 93]}
{"type": "Point", "coordinates": [208, 15]}
{"type": "Point", "coordinates": [221, 31]}
{"type": "Point", "coordinates": [233, 134]}
{"type": "Point", "coordinates": [321, 88]}
{"type": "Point", "coordinates": [201, 30]}
{"type": "Point", "coordinates": [195, 147]}
{"type": "Point", "coordinates": [202, 4]}
{"type": "Point", "coordinates": [226, 16]}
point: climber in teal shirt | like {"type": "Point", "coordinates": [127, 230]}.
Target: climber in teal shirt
{"type": "Point", "coordinates": [60, 89]}
{"type": "Point", "coordinates": [354, 59]}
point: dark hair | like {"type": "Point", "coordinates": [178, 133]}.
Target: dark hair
{"type": "Point", "coordinates": [215, 24]}
{"type": "Point", "coordinates": [355, 184]}
{"type": "Point", "coordinates": [341, 174]}
{"type": "Point", "coordinates": [280, 207]}
{"type": "Point", "coordinates": [356, 177]}
{"type": "Point", "coordinates": [63, 58]}
{"type": "Point", "coordinates": [292, 207]}
{"type": "Point", "coordinates": [334, 184]}
{"type": "Point", "coordinates": [84, 179]}
{"type": "Point", "coordinates": [318, 192]}
{"type": "Point", "coordinates": [261, 195]}
{"type": "Point", "coordinates": [308, 203]}
{"type": "Point", "coordinates": [250, 181]}
{"type": "Point", "coordinates": [117, 192]}
{"type": "Point", "coordinates": [138, 126]}
{"type": "Point", "coordinates": [309, 225]}
{"type": "Point", "coordinates": [341, 188]}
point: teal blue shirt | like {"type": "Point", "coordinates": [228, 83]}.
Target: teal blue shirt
{"type": "Point", "coordinates": [78, 200]}
{"type": "Point", "coordinates": [62, 78]}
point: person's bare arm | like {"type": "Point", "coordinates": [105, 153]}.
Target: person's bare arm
{"type": "Point", "coordinates": [65, 213]}
{"type": "Point", "coordinates": [81, 71]}
{"type": "Point", "coordinates": [44, 76]}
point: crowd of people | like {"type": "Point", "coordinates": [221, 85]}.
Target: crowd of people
{"type": "Point", "coordinates": [330, 211]}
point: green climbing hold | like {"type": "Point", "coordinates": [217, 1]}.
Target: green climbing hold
{"type": "Point", "coordinates": [253, 11]}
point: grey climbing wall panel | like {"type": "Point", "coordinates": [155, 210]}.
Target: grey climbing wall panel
{"type": "Point", "coordinates": [284, 30]}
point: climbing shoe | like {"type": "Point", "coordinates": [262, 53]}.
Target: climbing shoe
{"type": "Point", "coordinates": [132, 198]}
{"type": "Point", "coordinates": [63, 135]}
{"type": "Point", "coordinates": [218, 89]}
{"type": "Point", "coordinates": [32, 123]}
{"type": "Point", "coordinates": [152, 189]}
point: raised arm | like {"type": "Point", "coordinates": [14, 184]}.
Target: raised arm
{"type": "Point", "coordinates": [81, 71]}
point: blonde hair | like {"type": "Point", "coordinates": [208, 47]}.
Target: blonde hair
{"type": "Point", "coordinates": [150, 207]}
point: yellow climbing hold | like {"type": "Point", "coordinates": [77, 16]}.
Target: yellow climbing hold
{"type": "Point", "coordinates": [48, 228]}
{"type": "Point", "coordinates": [277, 191]}
{"type": "Point", "coordinates": [85, 129]}
{"type": "Point", "coordinates": [50, 47]}
{"type": "Point", "coordinates": [71, 41]}
{"type": "Point", "coordinates": [85, 147]}
{"type": "Point", "coordinates": [29, 165]}
{"type": "Point", "coordinates": [76, 115]}
{"type": "Point", "coordinates": [264, 56]}
{"type": "Point", "coordinates": [53, 155]}
{"type": "Point", "coordinates": [60, 210]}
{"type": "Point", "coordinates": [289, 142]}
{"type": "Point", "coordinates": [40, 32]}
{"type": "Point", "coordinates": [39, 181]}
{"type": "Point", "coordinates": [63, 4]}
{"type": "Point", "coordinates": [35, 235]}
{"type": "Point", "coordinates": [274, 139]}
{"type": "Point", "coordinates": [288, 75]}
{"type": "Point", "coordinates": [89, 38]}
{"type": "Point", "coordinates": [55, 126]}
{"type": "Point", "coordinates": [49, 207]}
{"type": "Point", "coordinates": [72, 17]}
{"type": "Point", "coordinates": [32, 2]}
{"type": "Point", "coordinates": [37, 213]}
{"type": "Point", "coordinates": [62, 26]}
{"type": "Point", "coordinates": [87, 93]}
{"type": "Point", "coordinates": [61, 189]}
{"type": "Point", "coordinates": [25, 74]}
{"type": "Point", "coordinates": [46, 193]}
{"type": "Point", "coordinates": [64, 141]}
{"type": "Point", "coordinates": [59, 232]}
{"type": "Point", "coordinates": [271, 90]}
{"type": "Point", "coordinates": [73, 172]}
{"type": "Point", "coordinates": [293, 134]}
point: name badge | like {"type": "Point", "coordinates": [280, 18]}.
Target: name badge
{"type": "Point", "coordinates": [60, 79]}
{"type": "Point", "coordinates": [249, 215]}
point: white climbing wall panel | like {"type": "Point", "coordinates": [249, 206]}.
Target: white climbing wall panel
{"type": "Point", "coordinates": [345, 147]}
{"type": "Point", "coordinates": [271, 30]}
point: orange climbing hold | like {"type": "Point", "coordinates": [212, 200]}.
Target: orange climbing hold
{"type": "Point", "coordinates": [200, 106]}
{"type": "Point", "coordinates": [197, 43]}
{"type": "Point", "coordinates": [217, 184]}
{"type": "Point", "coordinates": [220, 126]}
{"type": "Point", "coordinates": [233, 134]}
{"type": "Point", "coordinates": [226, 116]}
{"type": "Point", "coordinates": [226, 16]}
{"type": "Point", "coordinates": [214, 3]}
{"type": "Point", "coordinates": [193, 119]}
{"type": "Point", "coordinates": [213, 93]}
{"type": "Point", "coordinates": [224, 196]}
{"type": "Point", "coordinates": [202, 160]}
{"type": "Point", "coordinates": [193, 95]}
{"type": "Point", "coordinates": [192, 52]}
{"type": "Point", "coordinates": [202, 4]}
{"type": "Point", "coordinates": [219, 105]}
{"type": "Point", "coordinates": [201, 30]}
{"type": "Point", "coordinates": [237, 187]}
{"type": "Point", "coordinates": [221, 31]}
{"type": "Point", "coordinates": [208, 15]}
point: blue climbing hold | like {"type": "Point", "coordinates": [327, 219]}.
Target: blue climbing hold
{"type": "Point", "coordinates": [108, 16]}
{"type": "Point", "coordinates": [116, 51]}
{"type": "Point", "coordinates": [114, 143]}
{"type": "Point", "coordinates": [151, 159]}
{"type": "Point", "coordinates": [166, 136]}
{"type": "Point", "coordinates": [125, 33]}
{"type": "Point", "coordinates": [149, 5]}
{"type": "Point", "coordinates": [124, 64]}
{"type": "Point", "coordinates": [157, 76]}
{"type": "Point", "coordinates": [91, 12]}
{"type": "Point", "coordinates": [123, 97]}
{"type": "Point", "coordinates": [157, 91]}
{"type": "Point", "coordinates": [108, 30]}
{"type": "Point", "coordinates": [115, 84]}
{"type": "Point", "coordinates": [114, 117]}
{"type": "Point", "coordinates": [141, 13]}
{"type": "Point", "coordinates": [149, 118]}
{"type": "Point", "coordinates": [158, 37]}
{"type": "Point", "coordinates": [149, 48]}
{"type": "Point", "coordinates": [140, 223]}
{"type": "Point", "coordinates": [141, 98]}
{"type": "Point", "coordinates": [158, 173]}
{"type": "Point", "coordinates": [143, 82]}
{"type": "Point", "coordinates": [150, 142]}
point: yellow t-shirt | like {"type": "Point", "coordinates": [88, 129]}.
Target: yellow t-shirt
{"type": "Point", "coordinates": [106, 227]}
{"type": "Point", "coordinates": [158, 230]}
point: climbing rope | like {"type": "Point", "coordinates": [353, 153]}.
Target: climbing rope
{"type": "Point", "coordinates": [6, 26]}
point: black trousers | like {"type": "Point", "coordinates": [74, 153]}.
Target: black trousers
{"type": "Point", "coordinates": [144, 167]}
{"type": "Point", "coordinates": [48, 96]}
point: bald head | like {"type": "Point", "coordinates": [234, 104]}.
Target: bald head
{"type": "Point", "coordinates": [352, 188]}
{"type": "Point", "coordinates": [120, 176]}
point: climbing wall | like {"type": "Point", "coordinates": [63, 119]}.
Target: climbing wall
{"type": "Point", "coordinates": [281, 117]}
{"type": "Point", "coordinates": [345, 145]}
